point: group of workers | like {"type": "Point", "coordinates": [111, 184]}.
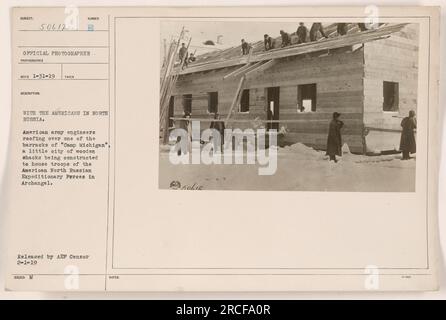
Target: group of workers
{"type": "Point", "coordinates": [302, 35]}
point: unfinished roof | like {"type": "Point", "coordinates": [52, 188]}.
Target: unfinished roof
{"type": "Point", "coordinates": [233, 57]}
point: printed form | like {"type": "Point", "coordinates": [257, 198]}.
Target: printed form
{"type": "Point", "coordinates": [61, 94]}
{"type": "Point", "coordinates": [126, 122]}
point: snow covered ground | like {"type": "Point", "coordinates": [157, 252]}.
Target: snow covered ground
{"type": "Point", "coordinates": [299, 168]}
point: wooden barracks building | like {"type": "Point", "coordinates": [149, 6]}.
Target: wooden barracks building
{"type": "Point", "coordinates": [370, 77]}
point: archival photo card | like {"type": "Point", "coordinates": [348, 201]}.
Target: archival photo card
{"type": "Point", "coordinates": [223, 149]}
{"type": "Point", "coordinates": [297, 105]}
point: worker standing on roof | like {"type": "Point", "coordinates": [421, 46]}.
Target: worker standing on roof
{"type": "Point", "coordinates": [245, 47]}
{"type": "Point", "coordinates": [186, 60]}
{"type": "Point", "coordinates": [342, 29]}
{"type": "Point", "coordinates": [191, 58]}
{"type": "Point", "coordinates": [182, 54]}
{"type": "Point", "coordinates": [315, 28]}
{"type": "Point", "coordinates": [286, 40]}
{"type": "Point", "coordinates": [268, 42]}
{"type": "Point", "coordinates": [302, 33]}
{"type": "Point", "coordinates": [362, 27]}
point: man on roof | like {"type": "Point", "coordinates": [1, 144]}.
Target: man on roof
{"type": "Point", "coordinates": [191, 58]}
{"type": "Point", "coordinates": [245, 47]}
{"type": "Point", "coordinates": [268, 42]}
{"type": "Point", "coordinates": [362, 27]}
{"type": "Point", "coordinates": [182, 53]}
{"type": "Point", "coordinates": [302, 33]}
{"type": "Point", "coordinates": [286, 40]}
{"type": "Point", "coordinates": [315, 28]}
{"type": "Point", "coordinates": [342, 29]}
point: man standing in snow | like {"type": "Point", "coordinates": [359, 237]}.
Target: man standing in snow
{"type": "Point", "coordinates": [220, 127]}
{"type": "Point", "coordinates": [407, 142]}
{"type": "Point", "coordinates": [334, 141]}
{"type": "Point", "coordinates": [182, 124]}
{"type": "Point", "coordinates": [269, 116]}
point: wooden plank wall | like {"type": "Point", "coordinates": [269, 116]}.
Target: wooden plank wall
{"type": "Point", "coordinates": [394, 59]}
{"type": "Point", "coordinates": [338, 75]}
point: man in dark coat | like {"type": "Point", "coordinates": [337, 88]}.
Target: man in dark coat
{"type": "Point", "coordinates": [269, 116]}
{"type": "Point", "coordinates": [186, 61]}
{"type": "Point", "coordinates": [268, 42]}
{"type": "Point", "coordinates": [334, 141]}
{"type": "Point", "coordinates": [245, 47]}
{"type": "Point", "coordinates": [220, 127]}
{"type": "Point", "coordinates": [342, 29]}
{"type": "Point", "coordinates": [182, 53]}
{"type": "Point", "coordinates": [182, 124]}
{"type": "Point", "coordinates": [362, 27]}
{"type": "Point", "coordinates": [302, 33]}
{"type": "Point", "coordinates": [286, 40]}
{"type": "Point", "coordinates": [408, 144]}
{"type": "Point", "coordinates": [315, 28]}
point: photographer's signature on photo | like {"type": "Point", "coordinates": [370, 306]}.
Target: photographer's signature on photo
{"type": "Point", "coordinates": [176, 185]}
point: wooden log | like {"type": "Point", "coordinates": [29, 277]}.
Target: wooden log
{"type": "Point", "coordinates": [236, 97]}
{"type": "Point", "coordinates": [260, 68]}
{"type": "Point", "coordinates": [237, 71]}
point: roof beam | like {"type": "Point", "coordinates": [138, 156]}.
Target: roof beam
{"type": "Point", "coordinates": [237, 71]}
{"type": "Point", "coordinates": [253, 66]}
{"type": "Point", "coordinates": [245, 69]}
{"type": "Point", "coordinates": [261, 67]}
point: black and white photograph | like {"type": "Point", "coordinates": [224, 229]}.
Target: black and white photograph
{"type": "Point", "coordinates": [192, 151]}
{"type": "Point", "coordinates": [288, 106]}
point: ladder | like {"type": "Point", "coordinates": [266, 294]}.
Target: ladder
{"type": "Point", "coordinates": [168, 81]}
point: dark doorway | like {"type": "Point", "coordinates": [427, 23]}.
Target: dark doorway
{"type": "Point", "coordinates": [171, 109]}
{"type": "Point", "coordinates": [187, 104]}
{"type": "Point", "coordinates": [272, 106]}
{"type": "Point", "coordinates": [213, 102]}
{"type": "Point", "coordinates": [244, 101]}
{"type": "Point", "coordinates": [390, 96]}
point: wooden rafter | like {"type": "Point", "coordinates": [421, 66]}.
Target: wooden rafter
{"type": "Point", "coordinates": [237, 71]}
{"type": "Point", "coordinates": [252, 67]}
{"type": "Point", "coordinates": [262, 67]}
{"type": "Point", "coordinates": [236, 97]}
